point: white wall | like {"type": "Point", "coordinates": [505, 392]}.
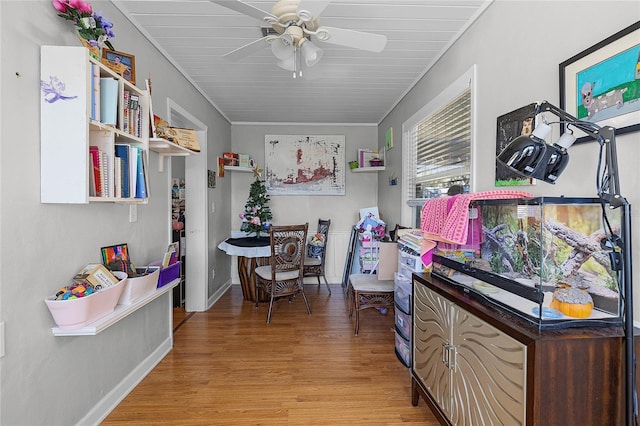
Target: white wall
{"type": "Point", "coordinates": [361, 188]}
{"type": "Point", "coordinates": [61, 380]}
{"type": "Point", "coordinates": [517, 46]}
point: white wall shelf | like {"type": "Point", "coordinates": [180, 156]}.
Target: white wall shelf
{"type": "Point", "coordinates": [368, 169]}
{"type": "Point", "coordinates": [166, 148]}
{"type": "Point", "coordinates": [119, 313]}
{"type": "Point", "coordinates": [238, 168]}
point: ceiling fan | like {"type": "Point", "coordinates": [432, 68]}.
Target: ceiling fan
{"type": "Point", "coordinates": [295, 22]}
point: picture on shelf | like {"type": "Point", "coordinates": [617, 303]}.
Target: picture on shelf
{"type": "Point", "coordinates": [122, 63]}
{"type": "Point", "coordinates": [116, 258]}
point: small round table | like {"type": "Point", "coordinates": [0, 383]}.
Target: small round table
{"type": "Point", "coordinates": [251, 252]}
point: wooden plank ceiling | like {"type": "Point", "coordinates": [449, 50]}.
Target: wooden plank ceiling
{"type": "Point", "coordinates": [346, 86]}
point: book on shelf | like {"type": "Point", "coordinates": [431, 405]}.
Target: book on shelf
{"type": "Point", "coordinates": [133, 170]}
{"type": "Point", "coordinates": [96, 276]}
{"type": "Point", "coordinates": [117, 175]}
{"type": "Point", "coordinates": [141, 181]}
{"type": "Point", "coordinates": [126, 127]}
{"type": "Point", "coordinates": [96, 180]}
{"type": "Point", "coordinates": [95, 92]}
{"type": "Point", "coordinates": [108, 100]}
{"type": "Point", "coordinates": [123, 152]}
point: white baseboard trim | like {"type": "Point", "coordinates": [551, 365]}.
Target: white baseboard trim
{"type": "Point", "coordinates": [218, 294]}
{"type": "Point", "coordinates": [111, 400]}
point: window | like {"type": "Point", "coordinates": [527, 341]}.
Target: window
{"type": "Point", "coordinates": [439, 147]}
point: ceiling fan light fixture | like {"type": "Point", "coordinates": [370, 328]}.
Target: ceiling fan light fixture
{"type": "Point", "coordinates": [282, 48]}
{"type": "Point", "coordinates": [288, 64]}
{"type": "Point", "coordinates": [310, 52]}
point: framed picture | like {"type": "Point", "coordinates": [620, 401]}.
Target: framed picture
{"type": "Point", "coordinates": [304, 164]}
{"type": "Point", "coordinates": [602, 83]}
{"type": "Point", "coordinates": [122, 63]}
{"type": "Point", "coordinates": [114, 253]}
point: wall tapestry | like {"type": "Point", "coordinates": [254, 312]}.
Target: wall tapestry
{"type": "Point", "coordinates": [304, 165]}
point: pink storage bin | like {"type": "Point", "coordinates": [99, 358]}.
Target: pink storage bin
{"type": "Point", "coordinates": [138, 287]}
{"type": "Point", "coordinates": [77, 313]}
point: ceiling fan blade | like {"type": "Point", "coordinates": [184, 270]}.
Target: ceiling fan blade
{"type": "Point", "coordinates": [248, 49]}
{"type": "Point", "coordinates": [247, 9]}
{"type": "Point", "coordinates": [350, 38]}
{"type": "Point", "coordinates": [311, 9]}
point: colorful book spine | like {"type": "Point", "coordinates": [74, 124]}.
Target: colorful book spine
{"type": "Point", "coordinates": [94, 152]}
{"type": "Point", "coordinates": [123, 153]}
{"type": "Point", "coordinates": [141, 183]}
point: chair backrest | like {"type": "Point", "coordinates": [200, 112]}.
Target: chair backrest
{"type": "Point", "coordinates": [288, 245]}
{"type": "Point", "coordinates": [323, 228]}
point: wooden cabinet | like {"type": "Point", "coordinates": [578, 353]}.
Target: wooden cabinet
{"type": "Point", "coordinates": [475, 364]}
{"type": "Point", "coordinates": [72, 122]}
{"type": "Point", "coordinates": [473, 372]}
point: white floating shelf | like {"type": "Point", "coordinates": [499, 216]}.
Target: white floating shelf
{"type": "Point", "coordinates": [120, 312]}
{"type": "Point", "coordinates": [368, 169]}
{"type": "Point", "coordinates": [165, 148]}
{"type": "Point", "coordinates": [238, 168]}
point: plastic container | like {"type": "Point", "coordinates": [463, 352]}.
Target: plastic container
{"type": "Point", "coordinates": [403, 323]}
{"type": "Point", "coordinates": [402, 293]}
{"type": "Point", "coordinates": [77, 313]}
{"type": "Point", "coordinates": [138, 287]}
{"type": "Point", "coordinates": [403, 350]}
{"type": "Point", "coordinates": [169, 274]}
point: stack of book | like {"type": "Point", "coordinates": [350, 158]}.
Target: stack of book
{"type": "Point", "coordinates": [410, 240]}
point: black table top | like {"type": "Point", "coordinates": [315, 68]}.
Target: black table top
{"type": "Point", "coordinates": [249, 241]}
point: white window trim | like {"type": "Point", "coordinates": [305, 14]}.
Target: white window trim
{"type": "Point", "coordinates": [465, 81]}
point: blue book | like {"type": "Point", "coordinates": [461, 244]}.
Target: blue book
{"type": "Point", "coordinates": [123, 151]}
{"type": "Point", "coordinates": [108, 100]}
{"type": "Point", "coordinates": [141, 184]}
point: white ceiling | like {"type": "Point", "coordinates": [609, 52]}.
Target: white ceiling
{"type": "Point", "coordinates": [347, 86]}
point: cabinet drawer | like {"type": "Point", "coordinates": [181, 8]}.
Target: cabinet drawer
{"type": "Point", "coordinates": [403, 350]}
{"type": "Point", "coordinates": [402, 293]}
{"type": "Point", "coordinates": [403, 323]}
{"type": "Point", "coordinates": [410, 262]}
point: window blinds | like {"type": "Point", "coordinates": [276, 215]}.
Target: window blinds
{"type": "Point", "coordinates": [440, 149]}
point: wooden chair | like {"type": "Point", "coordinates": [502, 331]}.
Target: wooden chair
{"type": "Point", "coordinates": [284, 275]}
{"type": "Point", "coordinates": [367, 291]}
{"type": "Point", "coordinates": [314, 266]}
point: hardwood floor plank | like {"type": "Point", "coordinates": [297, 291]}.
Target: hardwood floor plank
{"type": "Point", "coordinates": [228, 367]}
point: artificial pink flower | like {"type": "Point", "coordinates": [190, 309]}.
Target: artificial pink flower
{"type": "Point", "coordinates": [255, 221]}
{"type": "Point", "coordinates": [60, 5]}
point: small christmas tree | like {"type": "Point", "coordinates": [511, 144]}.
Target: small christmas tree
{"type": "Point", "coordinates": [257, 214]}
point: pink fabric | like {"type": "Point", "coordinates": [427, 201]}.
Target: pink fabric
{"type": "Point", "coordinates": [452, 225]}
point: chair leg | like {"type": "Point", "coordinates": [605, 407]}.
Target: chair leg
{"type": "Point", "coordinates": [306, 303]}
{"type": "Point", "coordinates": [356, 306]}
{"type": "Point", "coordinates": [270, 307]}
{"type": "Point", "coordinates": [325, 282]}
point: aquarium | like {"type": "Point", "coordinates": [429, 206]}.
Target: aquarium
{"type": "Point", "coordinates": [547, 259]}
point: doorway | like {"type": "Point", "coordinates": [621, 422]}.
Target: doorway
{"type": "Point", "coordinates": [192, 170]}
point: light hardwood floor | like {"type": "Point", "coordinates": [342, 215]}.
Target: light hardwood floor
{"type": "Point", "coordinates": [228, 367]}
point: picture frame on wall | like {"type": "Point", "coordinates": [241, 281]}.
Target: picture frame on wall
{"type": "Point", "coordinates": [120, 62]}
{"type": "Point", "coordinates": [305, 164]}
{"type": "Point", "coordinates": [601, 84]}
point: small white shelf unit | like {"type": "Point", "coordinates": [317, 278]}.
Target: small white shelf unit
{"type": "Point", "coordinates": [69, 100]}
{"type": "Point", "coordinates": [238, 168]}
{"type": "Point", "coordinates": [119, 313]}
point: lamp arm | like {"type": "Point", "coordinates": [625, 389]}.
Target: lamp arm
{"type": "Point", "coordinates": [604, 136]}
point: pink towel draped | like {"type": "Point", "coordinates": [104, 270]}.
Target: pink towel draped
{"type": "Point", "coordinates": [447, 218]}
